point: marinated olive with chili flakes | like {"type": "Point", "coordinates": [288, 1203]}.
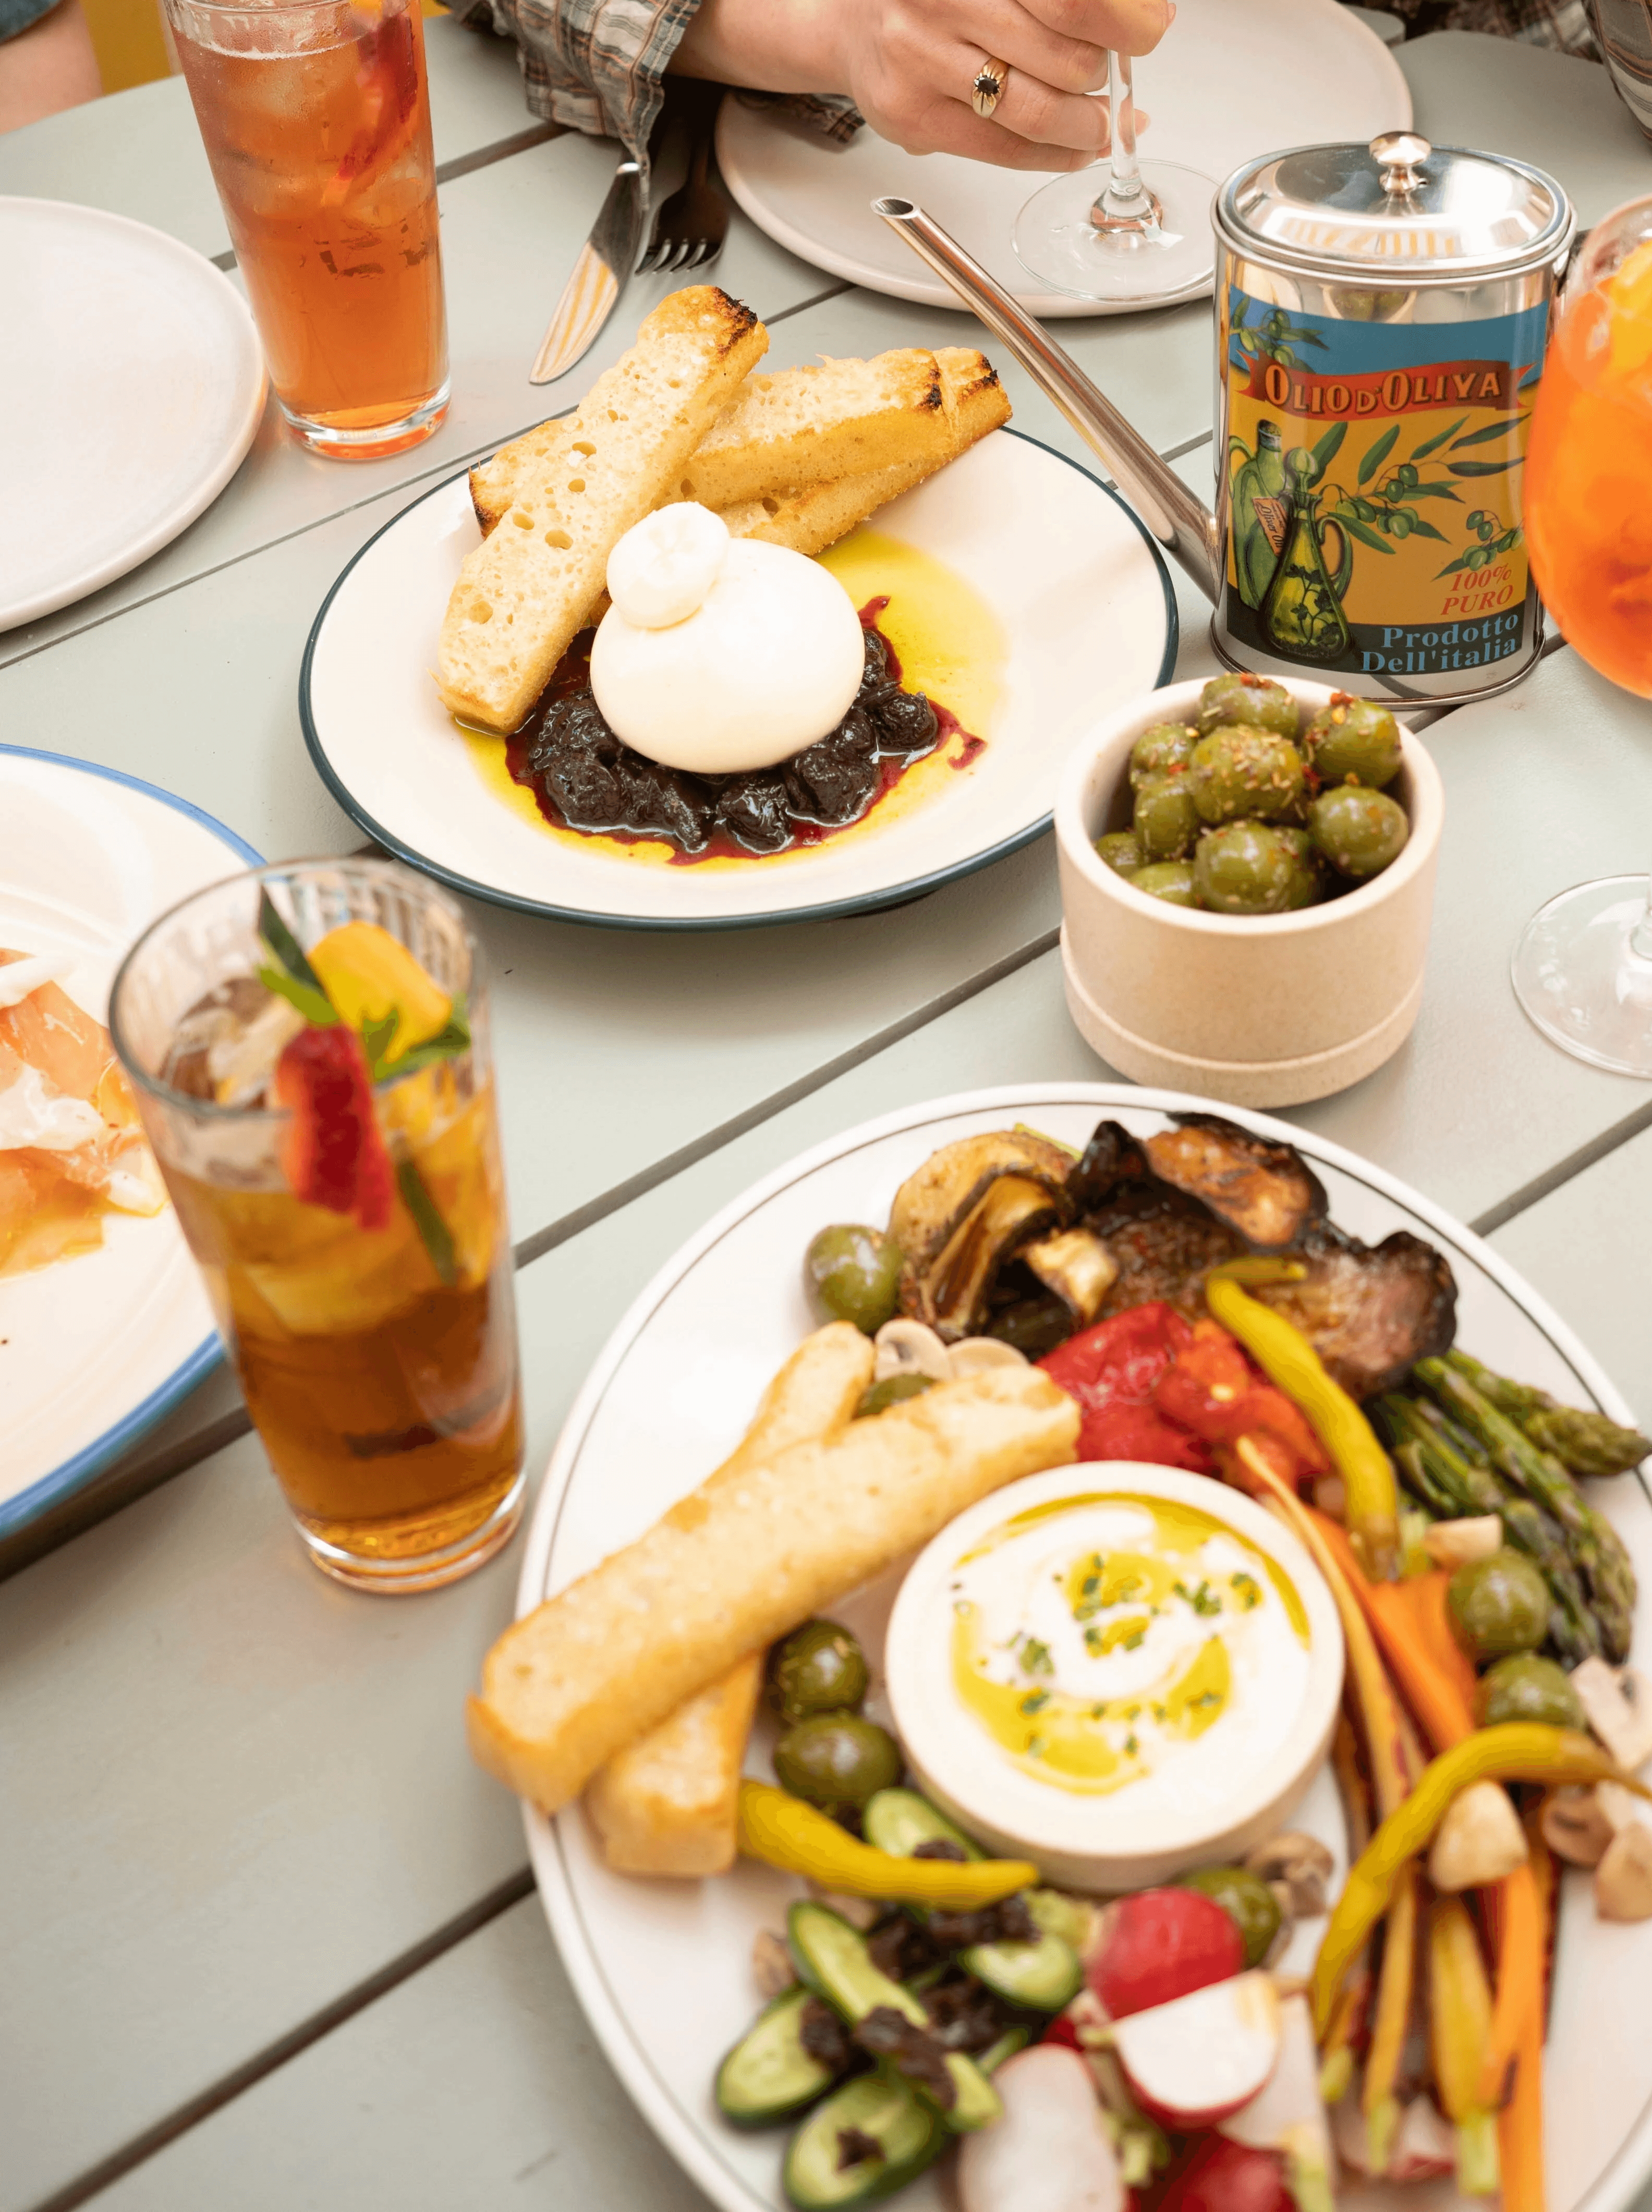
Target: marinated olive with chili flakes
{"type": "Point", "coordinates": [1257, 808]}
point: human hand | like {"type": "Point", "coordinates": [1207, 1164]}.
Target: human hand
{"type": "Point", "coordinates": [910, 65]}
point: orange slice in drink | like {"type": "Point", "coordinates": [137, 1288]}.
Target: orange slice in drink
{"type": "Point", "coordinates": [370, 975]}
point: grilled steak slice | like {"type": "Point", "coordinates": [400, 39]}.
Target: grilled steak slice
{"type": "Point", "coordinates": [1267, 1193]}
{"type": "Point", "coordinates": [1371, 1311]}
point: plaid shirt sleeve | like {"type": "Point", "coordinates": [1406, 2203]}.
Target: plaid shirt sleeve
{"type": "Point", "coordinates": [1562, 24]}
{"type": "Point", "coordinates": [599, 65]}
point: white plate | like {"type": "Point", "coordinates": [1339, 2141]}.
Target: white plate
{"type": "Point", "coordinates": [1079, 589]}
{"type": "Point", "coordinates": [1228, 83]}
{"type": "Point", "coordinates": [95, 1350]}
{"type": "Point", "coordinates": [131, 383]}
{"type": "Point", "coordinates": [663, 1968]}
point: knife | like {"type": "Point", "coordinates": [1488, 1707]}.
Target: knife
{"type": "Point", "coordinates": [606, 259]}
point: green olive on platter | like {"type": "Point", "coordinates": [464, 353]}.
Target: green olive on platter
{"type": "Point", "coordinates": [1165, 822]}
{"type": "Point", "coordinates": [837, 1759]}
{"type": "Point", "coordinates": [853, 1273]}
{"type": "Point", "coordinates": [1163, 750]}
{"type": "Point", "coordinates": [1255, 700]}
{"type": "Point", "coordinates": [1239, 772]}
{"type": "Point", "coordinates": [1353, 741]}
{"type": "Point", "coordinates": [1498, 1606]}
{"type": "Point", "coordinates": [1170, 880]}
{"type": "Point", "coordinates": [1252, 867]}
{"type": "Point", "coordinates": [1246, 1900]}
{"type": "Point", "coordinates": [818, 1669]}
{"type": "Point", "coordinates": [1525, 1687]}
{"type": "Point", "coordinates": [1360, 832]}
{"type": "Point", "coordinates": [1121, 852]}
{"type": "Point", "coordinates": [893, 1390]}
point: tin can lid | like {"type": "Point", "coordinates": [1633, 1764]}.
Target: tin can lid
{"type": "Point", "coordinates": [1398, 205]}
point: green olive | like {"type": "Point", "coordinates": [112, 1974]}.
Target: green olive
{"type": "Point", "coordinates": [891, 1391]}
{"type": "Point", "coordinates": [1246, 1900]}
{"type": "Point", "coordinates": [1251, 867]}
{"type": "Point", "coordinates": [1358, 831]}
{"type": "Point", "coordinates": [1162, 750]}
{"type": "Point", "coordinates": [1523, 1687]}
{"type": "Point", "coordinates": [1354, 741]}
{"type": "Point", "coordinates": [837, 1759]}
{"type": "Point", "coordinates": [817, 1669]}
{"type": "Point", "coordinates": [1170, 880]}
{"type": "Point", "coordinates": [1498, 1605]}
{"type": "Point", "coordinates": [1165, 822]}
{"type": "Point", "coordinates": [1121, 852]}
{"type": "Point", "coordinates": [1242, 773]}
{"type": "Point", "coordinates": [1256, 700]}
{"type": "Point", "coordinates": [853, 1274]}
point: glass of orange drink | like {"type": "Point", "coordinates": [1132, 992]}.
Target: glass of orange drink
{"type": "Point", "coordinates": [317, 123]}
{"type": "Point", "coordinates": [308, 1048]}
{"type": "Point", "coordinates": [1583, 968]}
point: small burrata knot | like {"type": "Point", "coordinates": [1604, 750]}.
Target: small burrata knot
{"type": "Point", "coordinates": [662, 569]}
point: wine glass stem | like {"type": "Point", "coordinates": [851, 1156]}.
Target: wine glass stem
{"type": "Point", "coordinates": [1124, 188]}
{"type": "Point", "coordinates": [1640, 938]}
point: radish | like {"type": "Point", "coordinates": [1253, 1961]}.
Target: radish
{"type": "Point", "coordinates": [1192, 2062]}
{"type": "Point", "coordinates": [1227, 2176]}
{"type": "Point", "coordinates": [1051, 2151]}
{"type": "Point", "coordinates": [1160, 1944]}
{"type": "Point", "coordinates": [1288, 2116]}
{"type": "Point", "coordinates": [1424, 2148]}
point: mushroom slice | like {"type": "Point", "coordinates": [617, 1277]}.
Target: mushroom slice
{"type": "Point", "coordinates": [974, 1354]}
{"type": "Point", "coordinates": [951, 1294]}
{"type": "Point", "coordinates": [1617, 1704]}
{"type": "Point", "coordinates": [1301, 1863]}
{"type": "Point", "coordinates": [1575, 1827]}
{"type": "Point", "coordinates": [1267, 1192]}
{"type": "Point", "coordinates": [1077, 1266]}
{"type": "Point", "coordinates": [908, 1347]}
{"type": "Point", "coordinates": [1371, 1311]}
{"type": "Point", "coordinates": [933, 1202]}
{"type": "Point", "coordinates": [1623, 1880]}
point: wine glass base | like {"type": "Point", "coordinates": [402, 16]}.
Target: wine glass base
{"type": "Point", "coordinates": [1058, 241]}
{"type": "Point", "coordinates": [1578, 974]}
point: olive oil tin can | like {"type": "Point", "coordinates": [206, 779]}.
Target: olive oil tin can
{"type": "Point", "coordinates": [1382, 316]}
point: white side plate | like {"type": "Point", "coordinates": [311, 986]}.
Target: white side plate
{"type": "Point", "coordinates": [131, 383]}
{"type": "Point", "coordinates": [95, 1350]}
{"type": "Point", "coordinates": [1079, 589]}
{"type": "Point", "coordinates": [1227, 84]}
{"type": "Point", "coordinates": [662, 1969]}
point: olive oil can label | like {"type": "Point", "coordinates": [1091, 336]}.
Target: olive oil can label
{"type": "Point", "coordinates": [1373, 489]}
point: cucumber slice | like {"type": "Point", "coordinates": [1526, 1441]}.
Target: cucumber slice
{"type": "Point", "coordinates": [832, 1959]}
{"type": "Point", "coordinates": [1012, 2040]}
{"type": "Point", "coordinates": [1041, 1976]}
{"type": "Point", "coordinates": [769, 2074]}
{"type": "Point", "coordinates": [907, 2131]}
{"type": "Point", "coordinates": [898, 1821]}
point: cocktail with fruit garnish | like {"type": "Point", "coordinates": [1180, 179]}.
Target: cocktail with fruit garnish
{"type": "Point", "coordinates": [308, 1047]}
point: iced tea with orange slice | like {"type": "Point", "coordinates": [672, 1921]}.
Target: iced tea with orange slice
{"type": "Point", "coordinates": [324, 1111]}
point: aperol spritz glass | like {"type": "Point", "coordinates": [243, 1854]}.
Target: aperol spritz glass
{"type": "Point", "coordinates": [1132, 230]}
{"type": "Point", "coordinates": [317, 123]}
{"type": "Point", "coordinates": [1583, 968]}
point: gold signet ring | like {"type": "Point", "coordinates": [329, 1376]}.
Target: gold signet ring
{"type": "Point", "coordinates": [987, 89]}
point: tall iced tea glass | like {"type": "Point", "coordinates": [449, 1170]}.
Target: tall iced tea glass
{"type": "Point", "coordinates": [317, 124]}
{"type": "Point", "coordinates": [371, 1320]}
{"type": "Point", "coordinates": [1583, 968]}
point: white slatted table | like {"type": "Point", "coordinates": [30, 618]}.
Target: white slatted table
{"type": "Point", "coordinates": [266, 1932]}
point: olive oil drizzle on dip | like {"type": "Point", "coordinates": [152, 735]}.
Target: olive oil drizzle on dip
{"type": "Point", "coordinates": [1100, 1640]}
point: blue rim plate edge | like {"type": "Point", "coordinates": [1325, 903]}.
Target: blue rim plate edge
{"type": "Point", "coordinates": [62, 1483]}
{"type": "Point", "coordinates": [1625, 2172]}
{"type": "Point", "coordinates": [867, 902]}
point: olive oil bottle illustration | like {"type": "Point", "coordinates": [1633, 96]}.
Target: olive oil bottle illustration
{"type": "Point", "coordinates": [1261, 512]}
{"type": "Point", "coordinates": [1302, 613]}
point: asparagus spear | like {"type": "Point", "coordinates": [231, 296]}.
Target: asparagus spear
{"type": "Point", "coordinates": [1594, 1545]}
{"type": "Point", "coordinates": [1588, 1443]}
{"type": "Point", "coordinates": [1430, 1460]}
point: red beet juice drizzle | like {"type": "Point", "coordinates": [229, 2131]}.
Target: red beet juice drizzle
{"type": "Point", "coordinates": [572, 672]}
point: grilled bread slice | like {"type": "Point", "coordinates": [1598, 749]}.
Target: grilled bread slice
{"type": "Point", "coordinates": [742, 1560]}
{"type": "Point", "coordinates": [525, 591]}
{"type": "Point", "coordinates": [810, 519]}
{"type": "Point", "coordinates": [669, 1803]}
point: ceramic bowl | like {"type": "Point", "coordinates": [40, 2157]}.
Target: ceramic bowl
{"type": "Point", "coordinates": [1267, 1010]}
{"type": "Point", "coordinates": [1215, 1798]}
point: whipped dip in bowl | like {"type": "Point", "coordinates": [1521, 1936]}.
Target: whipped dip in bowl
{"type": "Point", "coordinates": [1116, 1670]}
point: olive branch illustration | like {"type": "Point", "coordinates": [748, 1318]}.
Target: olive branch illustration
{"type": "Point", "coordinates": [1383, 507]}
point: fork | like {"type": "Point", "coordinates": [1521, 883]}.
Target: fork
{"type": "Point", "coordinates": [689, 229]}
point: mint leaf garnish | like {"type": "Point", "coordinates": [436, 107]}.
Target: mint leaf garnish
{"type": "Point", "coordinates": [433, 1232]}
{"type": "Point", "coordinates": [310, 998]}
